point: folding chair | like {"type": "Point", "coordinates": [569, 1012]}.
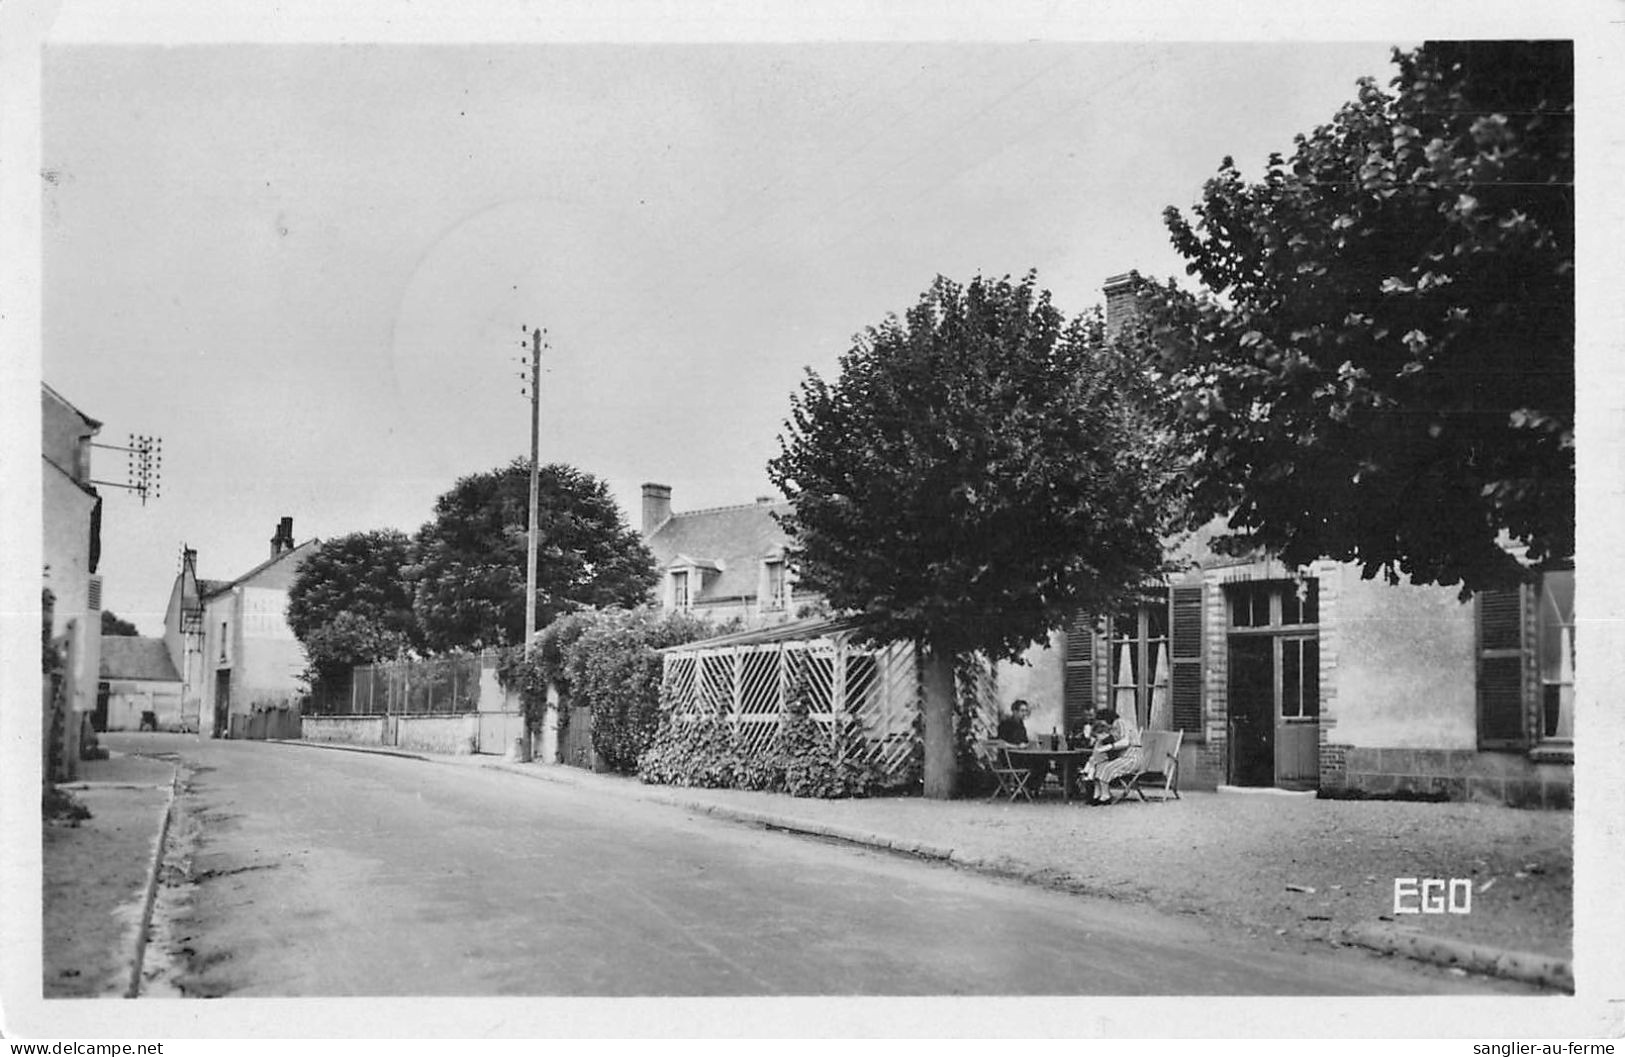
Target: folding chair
{"type": "Point", "coordinates": [1013, 781]}
{"type": "Point", "coordinates": [1159, 762]}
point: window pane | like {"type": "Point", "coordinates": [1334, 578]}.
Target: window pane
{"type": "Point", "coordinates": [1125, 662]}
{"type": "Point", "coordinates": [1556, 628]}
{"type": "Point", "coordinates": [1300, 602]}
{"type": "Point", "coordinates": [1291, 668]}
{"type": "Point", "coordinates": [1556, 645]}
{"type": "Point", "coordinates": [1250, 606]}
{"type": "Point", "coordinates": [1311, 678]}
{"type": "Point", "coordinates": [1156, 617]}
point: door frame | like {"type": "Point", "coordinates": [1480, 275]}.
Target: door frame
{"type": "Point", "coordinates": [1286, 733]}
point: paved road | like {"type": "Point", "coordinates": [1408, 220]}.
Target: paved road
{"type": "Point", "coordinates": [323, 873]}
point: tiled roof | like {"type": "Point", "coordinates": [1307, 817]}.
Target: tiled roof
{"type": "Point", "coordinates": [135, 657]}
{"type": "Point", "coordinates": [735, 538]}
{"type": "Point", "coordinates": [794, 631]}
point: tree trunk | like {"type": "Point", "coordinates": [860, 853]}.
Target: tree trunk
{"type": "Point", "coordinates": [941, 755]}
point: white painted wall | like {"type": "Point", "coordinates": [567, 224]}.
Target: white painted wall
{"type": "Point", "coordinates": [1404, 666]}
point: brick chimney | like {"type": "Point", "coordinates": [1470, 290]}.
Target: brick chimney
{"type": "Point", "coordinates": [1120, 300]}
{"type": "Point", "coordinates": [282, 542]}
{"type": "Point", "coordinates": [656, 507]}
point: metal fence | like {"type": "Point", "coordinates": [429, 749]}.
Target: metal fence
{"type": "Point", "coordinates": [435, 686]}
{"type": "Point", "coordinates": [864, 699]}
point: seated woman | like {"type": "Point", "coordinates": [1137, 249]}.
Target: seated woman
{"type": "Point", "coordinates": [1116, 753]}
{"type": "Point", "coordinates": [1013, 728]}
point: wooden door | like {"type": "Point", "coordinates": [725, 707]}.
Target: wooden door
{"type": "Point", "coordinates": [1252, 711]}
{"type": "Point", "coordinates": [222, 704]}
{"type": "Point", "coordinates": [1297, 740]}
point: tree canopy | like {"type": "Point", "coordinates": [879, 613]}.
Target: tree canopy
{"type": "Point", "coordinates": [1383, 369]}
{"type": "Point", "coordinates": [113, 624]}
{"type": "Point", "coordinates": [981, 470]}
{"type": "Point", "coordinates": [350, 602]}
{"type": "Point", "coordinates": [469, 573]}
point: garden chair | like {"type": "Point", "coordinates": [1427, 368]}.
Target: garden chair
{"type": "Point", "coordinates": [1013, 781]}
{"type": "Point", "coordinates": [1159, 763]}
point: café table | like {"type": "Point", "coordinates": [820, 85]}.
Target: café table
{"type": "Point", "coordinates": [1065, 761]}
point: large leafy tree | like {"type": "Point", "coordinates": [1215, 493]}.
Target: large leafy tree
{"type": "Point", "coordinates": [981, 470]}
{"type": "Point", "coordinates": [113, 624]}
{"type": "Point", "coordinates": [470, 569]}
{"type": "Point", "coordinates": [1386, 372]}
{"type": "Point", "coordinates": [350, 602]}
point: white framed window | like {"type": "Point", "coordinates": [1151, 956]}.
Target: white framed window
{"type": "Point", "coordinates": [1555, 641]}
{"type": "Point", "coordinates": [679, 589]}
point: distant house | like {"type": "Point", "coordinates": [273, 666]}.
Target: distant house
{"type": "Point", "coordinates": [238, 659]}
{"type": "Point", "coordinates": [71, 507]}
{"type": "Point", "coordinates": [722, 563]}
{"type": "Point", "coordinates": [71, 512]}
{"type": "Point", "coordinates": [1315, 678]}
{"type": "Point", "coordinates": [138, 678]}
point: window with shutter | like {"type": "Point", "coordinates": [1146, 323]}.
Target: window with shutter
{"type": "Point", "coordinates": [1185, 653]}
{"type": "Point", "coordinates": [1078, 689]}
{"type": "Point", "coordinates": [1155, 659]}
{"type": "Point", "coordinates": [1501, 670]}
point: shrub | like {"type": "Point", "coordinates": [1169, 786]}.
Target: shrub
{"type": "Point", "coordinates": [530, 675]}
{"type": "Point", "coordinates": [612, 666]}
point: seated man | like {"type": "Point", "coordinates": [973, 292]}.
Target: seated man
{"type": "Point", "coordinates": [1013, 731]}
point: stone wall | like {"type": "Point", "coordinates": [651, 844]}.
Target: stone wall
{"type": "Point", "coordinates": [347, 730]}
{"type": "Point", "coordinates": [1458, 774]}
{"type": "Point", "coordinates": [453, 735]}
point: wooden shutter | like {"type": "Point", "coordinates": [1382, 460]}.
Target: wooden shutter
{"type": "Point", "coordinates": [1185, 643]}
{"type": "Point", "coordinates": [1078, 690]}
{"type": "Point", "coordinates": [1501, 670]}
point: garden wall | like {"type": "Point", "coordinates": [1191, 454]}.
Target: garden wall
{"type": "Point", "coordinates": [346, 730]}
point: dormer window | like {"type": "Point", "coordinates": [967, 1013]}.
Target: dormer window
{"type": "Point", "coordinates": [776, 595]}
{"type": "Point", "coordinates": [679, 589]}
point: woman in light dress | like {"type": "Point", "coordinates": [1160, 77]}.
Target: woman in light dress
{"type": "Point", "coordinates": [1116, 753]}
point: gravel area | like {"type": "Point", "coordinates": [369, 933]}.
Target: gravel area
{"type": "Point", "coordinates": [1270, 864]}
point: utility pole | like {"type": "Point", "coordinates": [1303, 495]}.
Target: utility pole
{"type": "Point", "coordinates": [535, 484]}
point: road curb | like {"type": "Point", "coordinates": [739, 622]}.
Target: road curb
{"type": "Point", "coordinates": [1539, 969]}
{"type": "Point", "coordinates": [366, 750]}
{"type": "Point", "coordinates": [138, 956]}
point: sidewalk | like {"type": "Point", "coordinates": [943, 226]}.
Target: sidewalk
{"type": "Point", "coordinates": [97, 873]}
{"type": "Point", "coordinates": [1289, 866]}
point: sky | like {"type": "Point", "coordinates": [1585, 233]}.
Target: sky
{"type": "Point", "coordinates": [305, 258]}
{"type": "Point", "coordinates": [298, 241]}
{"type": "Point", "coordinates": [307, 267]}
